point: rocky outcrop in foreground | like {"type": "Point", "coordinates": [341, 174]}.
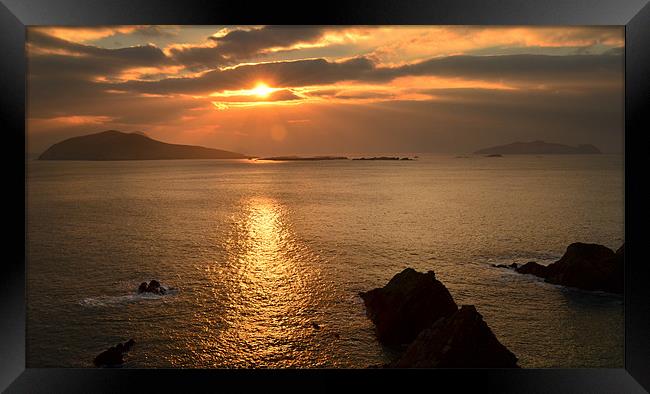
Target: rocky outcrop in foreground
{"type": "Point", "coordinates": [462, 340]}
{"type": "Point", "coordinates": [114, 355]}
{"type": "Point", "coordinates": [409, 303]}
{"type": "Point", "coordinates": [416, 308]}
{"type": "Point", "coordinates": [584, 266]}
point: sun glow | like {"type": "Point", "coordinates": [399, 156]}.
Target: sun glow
{"type": "Point", "coordinates": [262, 90]}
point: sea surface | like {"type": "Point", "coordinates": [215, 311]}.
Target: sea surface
{"type": "Point", "coordinates": [256, 252]}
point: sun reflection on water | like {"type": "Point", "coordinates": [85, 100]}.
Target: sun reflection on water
{"type": "Point", "coordinates": [274, 292]}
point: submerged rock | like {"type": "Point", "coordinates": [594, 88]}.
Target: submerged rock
{"type": "Point", "coordinates": [462, 340]}
{"type": "Point", "coordinates": [584, 266]}
{"type": "Point", "coordinates": [114, 355]}
{"type": "Point", "coordinates": [410, 302]}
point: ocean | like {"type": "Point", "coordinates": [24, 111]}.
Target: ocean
{"type": "Point", "coordinates": [255, 253]}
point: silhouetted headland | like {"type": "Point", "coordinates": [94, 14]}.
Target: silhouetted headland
{"type": "Point", "coordinates": [418, 309]}
{"type": "Point", "coordinates": [538, 147]}
{"type": "Point", "coordinates": [116, 145]}
{"type": "Point", "coordinates": [584, 266]}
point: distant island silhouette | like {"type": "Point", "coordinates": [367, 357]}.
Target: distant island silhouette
{"type": "Point", "coordinates": [301, 158]}
{"type": "Point", "coordinates": [117, 145]}
{"type": "Point", "coordinates": [319, 158]}
{"type": "Point", "coordinates": [538, 147]}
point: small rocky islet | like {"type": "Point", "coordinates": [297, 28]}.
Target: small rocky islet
{"type": "Point", "coordinates": [584, 266]}
{"type": "Point", "coordinates": [324, 158]}
{"type": "Point", "coordinates": [153, 287]}
{"type": "Point", "coordinates": [383, 158]}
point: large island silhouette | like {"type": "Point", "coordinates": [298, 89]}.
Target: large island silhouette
{"type": "Point", "coordinates": [117, 145]}
{"type": "Point", "coordinates": [537, 148]}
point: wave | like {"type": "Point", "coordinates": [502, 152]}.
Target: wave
{"type": "Point", "coordinates": [101, 301]}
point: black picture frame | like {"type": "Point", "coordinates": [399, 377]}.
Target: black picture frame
{"type": "Point", "coordinates": [15, 15]}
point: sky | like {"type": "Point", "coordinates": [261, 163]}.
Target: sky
{"type": "Point", "coordinates": [263, 90]}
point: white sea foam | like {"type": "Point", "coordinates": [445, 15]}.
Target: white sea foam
{"type": "Point", "coordinates": [101, 301]}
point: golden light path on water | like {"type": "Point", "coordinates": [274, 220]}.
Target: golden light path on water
{"type": "Point", "coordinates": [272, 293]}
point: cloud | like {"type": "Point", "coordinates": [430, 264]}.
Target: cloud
{"type": "Point", "coordinates": [239, 45]}
{"type": "Point", "coordinates": [198, 57]}
{"type": "Point", "coordinates": [400, 44]}
{"type": "Point", "coordinates": [156, 31]}
{"type": "Point", "coordinates": [277, 74]}
{"type": "Point", "coordinates": [58, 58]}
{"type": "Point", "coordinates": [70, 120]}
{"type": "Point", "coordinates": [516, 69]}
{"type": "Point", "coordinates": [62, 74]}
{"type": "Point", "coordinates": [353, 97]}
{"type": "Point", "coordinates": [352, 94]}
{"type": "Point", "coordinates": [278, 95]}
{"type": "Point", "coordinates": [244, 43]}
{"type": "Point", "coordinates": [81, 34]}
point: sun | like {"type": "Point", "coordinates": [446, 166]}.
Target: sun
{"type": "Point", "coordinates": [262, 90]}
